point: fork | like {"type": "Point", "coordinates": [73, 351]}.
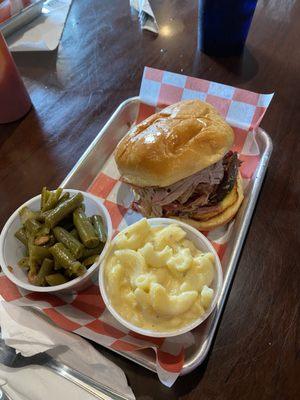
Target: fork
{"type": "Point", "coordinates": [9, 358]}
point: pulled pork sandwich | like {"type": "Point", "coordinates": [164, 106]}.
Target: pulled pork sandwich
{"type": "Point", "coordinates": [179, 164]}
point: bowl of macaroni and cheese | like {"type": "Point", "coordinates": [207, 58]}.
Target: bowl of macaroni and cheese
{"type": "Point", "coordinates": [160, 277]}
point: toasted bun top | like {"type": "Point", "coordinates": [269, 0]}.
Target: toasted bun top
{"type": "Point", "coordinates": [173, 144]}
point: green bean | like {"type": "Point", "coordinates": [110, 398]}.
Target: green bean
{"type": "Point", "coordinates": [58, 193]}
{"type": "Point", "coordinates": [99, 227]}
{"type": "Point", "coordinates": [51, 202]}
{"type": "Point", "coordinates": [33, 266]}
{"type": "Point", "coordinates": [41, 240]}
{"type": "Point", "coordinates": [85, 229]}
{"type": "Point", "coordinates": [63, 198]}
{"type": "Point", "coordinates": [57, 266]}
{"type": "Point", "coordinates": [44, 231]}
{"type": "Point", "coordinates": [25, 214]}
{"type": "Point", "coordinates": [55, 279]}
{"type": "Point", "coordinates": [39, 216]}
{"type": "Point", "coordinates": [69, 241]}
{"type": "Point", "coordinates": [39, 252]}
{"type": "Point", "coordinates": [67, 223]}
{"type": "Point", "coordinates": [64, 257]}
{"type": "Point", "coordinates": [24, 263]}
{"type": "Point", "coordinates": [93, 252]}
{"type": "Point", "coordinates": [31, 277]}
{"type": "Point", "coordinates": [87, 262]}
{"type": "Point", "coordinates": [46, 269]}
{"type": "Point", "coordinates": [51, 199]}
{"type": "Point", "coordinates": [32, 226]}
{"type": "Point", "coordinates": [74, 233]}
{"type": "Point", "coordinates": [69, 274]}
{"type": "Point", "coordinates": [42, 236]}
{"type": "Point", "coordinates": [63, 209]}
{"type": "Point", "coordinates": [51, 241]}
{"type": "Point", "coordinates": [31, 239]}
{"type": "Point", "coordinates": [21, 235]}
{"type": "Point", "coordinates": [29, 214]}
{"type": "Point", "coordinates": [44, 197]}
{"type": "Point", "coordinates": [78, 270]}
{"type": "Point", "coordinates": [43, 215]}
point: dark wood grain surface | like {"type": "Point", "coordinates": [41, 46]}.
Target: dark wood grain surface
{"type": "Point", "coordinates": [99, 64]}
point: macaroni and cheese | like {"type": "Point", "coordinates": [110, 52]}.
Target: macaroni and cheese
{"type": "Point", "coordinates": [157, 279]}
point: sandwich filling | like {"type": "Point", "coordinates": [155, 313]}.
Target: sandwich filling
{"type": "Point", "coordinates": [196, 195]}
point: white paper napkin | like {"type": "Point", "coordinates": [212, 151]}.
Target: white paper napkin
{"type": "Point", "coordinates": [30, 333]}
{"type": "Point", "coordinates": [36, 383]}
{"type": "Point", "coordinates": [43, 33]}
{"type": "Point", "coordinates": [146, 15]}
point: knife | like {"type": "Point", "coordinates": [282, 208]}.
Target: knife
{"type": "Point", "coordinates": [9, 358]}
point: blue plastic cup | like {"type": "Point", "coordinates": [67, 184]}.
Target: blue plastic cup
{"type": "Point", "coordinates": [224, 25]}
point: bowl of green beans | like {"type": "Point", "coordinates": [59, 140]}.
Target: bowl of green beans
{"type": "Point", "coordinates": [56, 241]}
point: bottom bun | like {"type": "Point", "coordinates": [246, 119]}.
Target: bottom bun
{"type": "Point", "coordinates": [222, 218]}
{"type": "Point", "coordinates": [220, 207]}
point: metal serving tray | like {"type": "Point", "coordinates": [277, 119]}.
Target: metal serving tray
{"type": "Point", "coordinates": [91, 163]}
{"type": "Point", "coordinates": [22, 18]}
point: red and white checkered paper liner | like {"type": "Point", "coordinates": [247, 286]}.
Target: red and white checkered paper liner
{"type": "Point", "coordinates": [85, 313]}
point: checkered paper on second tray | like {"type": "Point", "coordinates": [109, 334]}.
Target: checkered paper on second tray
{"type": "Point", "coordinates": [85, 313]}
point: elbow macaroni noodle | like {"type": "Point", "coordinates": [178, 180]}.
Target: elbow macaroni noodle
{"type": "Point", "coordinates": [156, 279]}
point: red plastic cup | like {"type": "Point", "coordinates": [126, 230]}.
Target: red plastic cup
{"type": "Point", "coordinates": [14, 99]}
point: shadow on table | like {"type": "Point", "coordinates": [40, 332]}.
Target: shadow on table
{"type": "Point", "coordinates": [243, 68]}
{"type": "Point", "coordinates": [32, 59]}
{"type": "Point", "coordinates": [185, 384]}
{"type": "Point", "coordinates": [9, 128]}
{"type": "Point", "coordinates": [146, 385]}
{"type": "Point", "coordinates": [34, 161]}
{"type": "Point", "coordinates": [36, 65]}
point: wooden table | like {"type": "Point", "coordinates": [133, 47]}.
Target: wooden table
{"type": "Point", "coordinates": [99, 64]}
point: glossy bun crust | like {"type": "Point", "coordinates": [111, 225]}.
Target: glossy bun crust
{"type": "Point", "coordinates": [173, 144]}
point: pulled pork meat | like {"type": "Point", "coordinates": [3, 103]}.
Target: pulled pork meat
{"type": "Point", "coordinates": [199, 193]}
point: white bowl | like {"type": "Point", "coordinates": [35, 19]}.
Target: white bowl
{"type": "Point", "coordinates": [12, 250]}
{"type": "Point", "coordinates": [203, 244]}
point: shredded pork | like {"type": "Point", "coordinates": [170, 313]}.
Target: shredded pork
{"type": "Point", "coordinates": [197, 193]}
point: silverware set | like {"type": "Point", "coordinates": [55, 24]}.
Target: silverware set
{"type": "Point", "coordinates": [9, 358]}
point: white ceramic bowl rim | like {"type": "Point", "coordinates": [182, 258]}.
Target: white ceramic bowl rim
{"type": "Point", "coordinates": [218, 278]}
{"type": "Point", "coordinates": [73, 282]}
